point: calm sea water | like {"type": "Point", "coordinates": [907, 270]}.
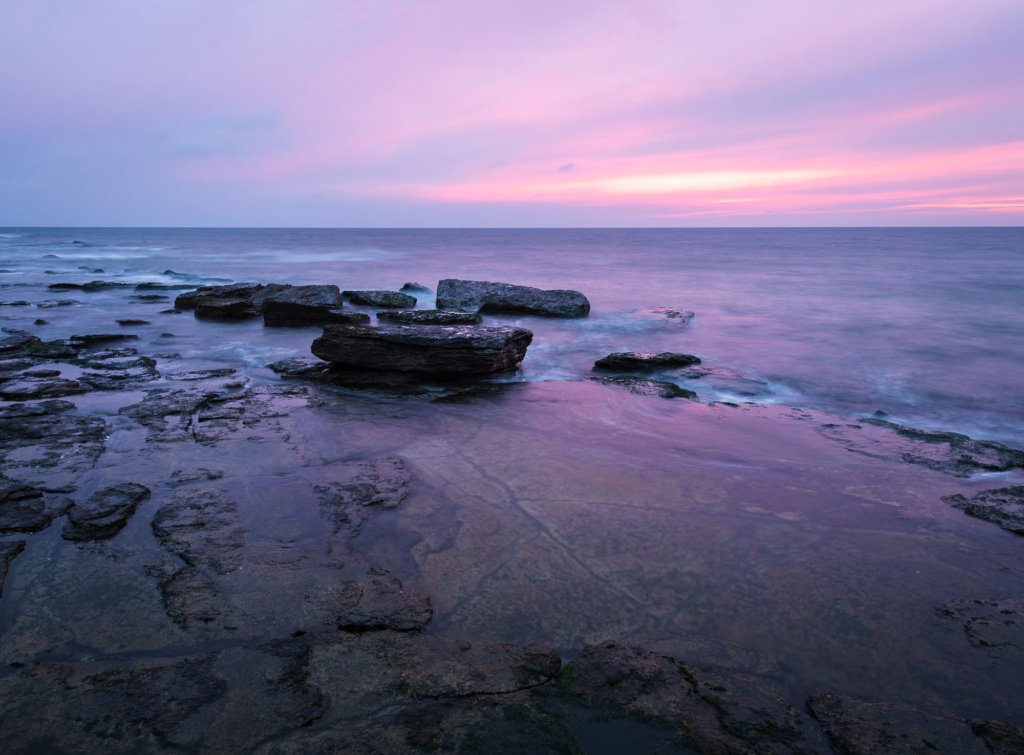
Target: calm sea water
{"type": "Point", "coordinates": [924, 324]}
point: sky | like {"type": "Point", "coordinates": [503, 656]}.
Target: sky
{"type": "Point", "coordinates": [458, 113]}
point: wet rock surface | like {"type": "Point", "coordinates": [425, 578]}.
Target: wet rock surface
{"type": "Point", "coordinates": [431, 317]}
{"type": "Point", "coordinates": [104, 513]}
{"type": "Point", "coordinates": [430, 349]}
{"type": "Point", "coordinates": [856, 726]}
{"type": "Point", "coordinates": [951, 453]}
{"type": "Point", "coordinates": [645, 387]}
{"type": "Point", "coordinates": [299, 305]}
{"type": "Point", "coordinates": [89, 339]}
{"type": "Point", "coordinates": [996, 625]}
{"type": "Point", "coordinates": [634, 360]}
{"type": "Point", "coordinates": [381, 299]}
{"type": "Point", "coordinates": [485, 296]}
{"type": "Point", "coordinates": [9, 549]}
{"type": "Point", "coordinates": [15, 343]}
{"type": "Point", "coordinates": [24, 508]}
{"type": "Point", "coordinates": [1002, 506]}
{"type": "Point", "coordinates": [416, 288]}
{"type": "Point", "coordinates": [203, 527]}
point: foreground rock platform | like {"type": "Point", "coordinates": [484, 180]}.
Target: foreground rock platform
{"type": "Point", "coordinates": [427, 349]}
{"type": "Point", "coordinates": [485, 296]}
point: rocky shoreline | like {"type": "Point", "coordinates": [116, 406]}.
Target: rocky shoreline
{"type": "Point", "coordinates": [184, 567]}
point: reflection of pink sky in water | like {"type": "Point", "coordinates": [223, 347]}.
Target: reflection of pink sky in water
{"type": "Point", "coordinates": [412, 112]}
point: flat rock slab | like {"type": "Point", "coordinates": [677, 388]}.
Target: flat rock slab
{"type": "Point", "coordinates": [855, 726]}
{"type": "Point", "coordinates": [57, 349]}
{"type": "Point", "coordinates": [22, 390]}
{"type": "Point", "coordinates": [201, 374]}
{"type": "Point", "coordinates": [997, 625]}
{"type": "Point", "coordinates": [381, 299]}
{"type": "Point", "coordinates": [190, 299]}
{"type": "Point", "coordinates": [1002, 506]}
{"type": "Point", "coordinates": [17, 343]}
{"type": "Point", "coordinates": [635, 360]}
{"type": "Point", "coordinates": [645, 387]}
{"type": "Point", "coordinates": [92, 338]}
{"type": "Point", "coordinates": [104, 513]}
{"type": "Point", "coordinates": [225, 309]}
{"type": "Point", "coordinates": [431, 317]}
{"type": "Point", "coordinates": [485, 296]}
{"type": "Point", "coordinates": [203, 527]}
{"type": "Point", "coordinates": [428, 349]}
{"type": "Point", "coordinates": [133, 322]}
{"type": "Point", "coordinates": [9, 549]}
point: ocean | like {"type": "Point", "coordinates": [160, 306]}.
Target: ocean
{"type": "Point", "coordinates": [924, 324]}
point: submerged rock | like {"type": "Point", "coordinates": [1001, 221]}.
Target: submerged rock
{"type": "Point", "coordinates": [13, 303]}
{"type": "Point", "coordinates": [24, 508]}
{"type": "Point", "coordinates": [20, 390]}
{"type": "Point", "coordinates": [433, 349]}
{"type": "Point", "coordinates": [201, 374]}
{"type": "Point", "coordinates": [712, 711]}
{"type": "Point", "coordinates": [381, 299]}
{"type": "Point", "coordinates": [225, 309]}
{"type": "Point", "coordinates": [203, 527]}
{"type": "Point", "coordinates": [668, 315]}
{"type": "Point", "coordinates": [997, 625]}
{"type": "Point", "coordinates": [134, 322]}
{"type": "Point", "coordinates": [189, 595]}
{"type": "Point", "coordinates": [485, 296]}
{"type": "Point", "coordinates": [50, 303]}
{"type": "Point", "coordinates": [232, 291]}
{"type": "Point", "coordinates": [634, 360]}
{"type": "Point", "coordinates": [431, 317]}
{"type": "Point", "coordinates": [9, 549]}
{"type": "Point", "coordinates": [1002, 506]}
{"type": "Point", "coordinates": [854, 726]}
{"type": "Point", "coordinates": [644, 387]}
{"type": "Point", "coordinates": [104, 513]}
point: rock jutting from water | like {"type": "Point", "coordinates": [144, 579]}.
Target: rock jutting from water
{"type": "Point", "coordinates": [1002, 506]}
{"type": "Point", "coordinates": [635, 360]}
{"type": "Point", "coordinates": [381, 299]}
{"type": "Point", "coordinates": [485, 296]}
{"type": "Point", "coordinates": [431, 317]}
{"type": "Point", "coordinates": [304, 305]}
{"type": "Point", "coordinates": [645, 387]}
{"type": "Point", "coordinates": [190, 299]}
{"type": "Point", "coordinates": [212, 308]}
{"type": "Point", "coordinates": [426, 349]}
{"type": "Point", "coordinates": [416, 287]}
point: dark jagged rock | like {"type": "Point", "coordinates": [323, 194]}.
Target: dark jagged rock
{"type": "Point", "coordinates": [416, 287]}
{"type": "Point", "coordinates": [169, 312]}
{"type": "Point", "coordinates": [40, 321]}
{"type": "Point", "coordinates": [89, 339]}
{"type": "Point", "coordinates": [57, 349]}
{"type": "Point", "coordinates": [226, 309]}
{"type": "Point", "coordinates": [203, 527]}
{"type": "Point", "coordinates": [357, 486]}
{"type": "Point", "coordinates": [1002, 506]}
{"type": "Point", "coordinates": [9, 549]}
{"type": "Point", "coordinates": [134, 322]}
{"type": "Point", "coordinates": [41, 373]}
{"type": "Point", "coordinates": [104, 513]}
{"type": "Point", "coordinates": [51, 303]}
{"type": "Point", "coordinates": [485, 296]}
{"type": "Point", "coordinates": [20, 363]}
{"type": "Point", "coordinates": [997, 625]}
{"type": "Point", "coordinates": [381, 299]}
{"type": "Point", "coordinates": [168, 414]}
{"type": "Point", "coordinates": [951, 453]}
{"type": "Point", "coordinates": [201, 374]}
{"type": "Point", "coordinates": [645, 387]}
{"type": "Point", "coordinates": [431, 349]}
{"type": "Point", "coordinates": [712, 711]}
{"type": "Point", "coordinates": [14, 343]}
{"type": "Point", "coordinates": [300, 367]}
{"type": "Point", "coordinates": [20, 390]}
{"type": "Point", "coordinates": [150, 297]}
{"type": "Point", "coordinates": [232, 291]}
{"type": "Point", "coordinates": [861, 727]}
{"type": "Point", "coordinates": [13, 303]}
{"type": "Point", "coordinates": [24, 508]}
{"type": "Point", "coordinates": [634, 360]}
{"type": "Point", "coordinates": [195, 473]}
{"type": "Point", "coordinates": [431, 317]}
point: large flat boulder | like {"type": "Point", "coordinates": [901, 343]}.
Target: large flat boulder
{"type": "Point", "coordinates": [430, 349]}
{"type": "Point", "coordinates": [212, 308]}
{"type": "Point", "coordinates": [429, 317]}
{"type": "Point", "coordinates": [299, 305]}
{"type": "Point", "coordinates": [485, 296]}
{"type": "Point", "coordinates": [190, 299]}
{"type": "Point", "coordinates": [635, 360]}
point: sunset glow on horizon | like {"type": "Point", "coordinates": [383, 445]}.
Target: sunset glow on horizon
{"type": "Point", "coordinates": [449, 113]}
